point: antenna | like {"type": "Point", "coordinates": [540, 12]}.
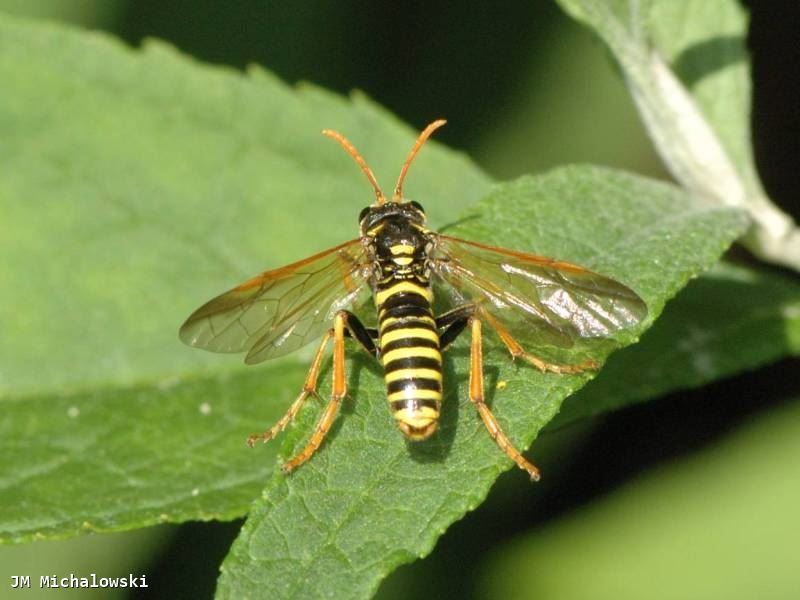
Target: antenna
{"type": "Point", "coordinates": [351, 150]}
{"type": "Point", "coordinates": [423, 137]}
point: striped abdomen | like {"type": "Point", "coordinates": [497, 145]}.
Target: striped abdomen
{"type": "Point", "coordinates": [412, 361]}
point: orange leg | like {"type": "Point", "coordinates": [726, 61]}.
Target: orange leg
{"type": "Point", "coordinates": [477, 397]}
{"type": "Point", "coordinates": [518, 351]}
{"type": "Point", "coordinates": [309, 389]}
{"type": "Point", "coordinates": [337, 394]}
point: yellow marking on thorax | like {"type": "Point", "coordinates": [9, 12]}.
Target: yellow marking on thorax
{"type": "Point", "coordinates": [409, 332]}
{"type": "Point", "coordinates": [399, 249]}
{"type": "Point", "coordinates": [402, 254]}
{"type": "Point", "coordinates": [375, 230]}
{"type": "Point", "coordinates": [400, 287]}
{"type": "Point", "coordinates": [411, 353]}
{"type": "Point", "coordinates": [411, 374]}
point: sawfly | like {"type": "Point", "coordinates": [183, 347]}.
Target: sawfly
{"type": "Point", "coordinates": [529, 301]}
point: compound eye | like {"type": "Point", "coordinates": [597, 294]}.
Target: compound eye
{"type": "Point", "coordinates": [417, 205]}
{"type": "Point", "coordinates": [363, 214]}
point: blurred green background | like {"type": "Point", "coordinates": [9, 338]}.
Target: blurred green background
{"type": "Point", "coordinates": [691, 496]}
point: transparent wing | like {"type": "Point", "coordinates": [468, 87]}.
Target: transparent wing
{"type": "Point", "coordinates": [536, 298]}
{"type": "Point", "coordinates": [281, 310]}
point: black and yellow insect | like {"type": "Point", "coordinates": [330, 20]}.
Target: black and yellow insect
{"type": "Point", "coordinates": [525, 299]}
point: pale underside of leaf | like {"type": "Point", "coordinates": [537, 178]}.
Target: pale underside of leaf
{"type": "Point", "coordinates": [698, 118]}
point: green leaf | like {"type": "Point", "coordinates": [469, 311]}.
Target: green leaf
{"type": "Point", "coordinates": [368, 501]}
{"type": "Point", "coordinates": [134, 185]}
{"type": "Point", "coordinates": [731, 319]}
{"type": "Point", "coordinates": [685, 64]}
{"type": "Point", "coordinates": [725, 519]}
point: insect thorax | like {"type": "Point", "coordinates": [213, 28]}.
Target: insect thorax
{"type": "Point", "coordinates": [400, 250]}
